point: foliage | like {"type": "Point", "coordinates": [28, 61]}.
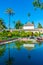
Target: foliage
{"type": "Point", "coordinates": [23, 34]}
{"type": "Point", "coordinates": [2, 24]}
{"type": "Point", "coordinates": [29, 33]}
{"type": "Point", "coordinates": [18, 44]}
{"type": "Point", "coordinates": [9, 34]}
{"type": "Point", "coordinates": [39, 34]}
{"type": "Point", "coordinates": [18, 25]}
{"type": "Point", "coordinates": [38, 4]}
{"type": "Point", "coordinates": [15, 33]}
{"type": "Point", "coordinates": [36, 34]}
{"type": "Point", "coordinates": [39, 25]}
{"type": "Point", "coordinates": [5, 35]}
{"type": "Point", "coordinates": [2, 49]}
{"type": "Point", "coordinates": [29, 15]}
{"type": "Point", "coordinates": [10, 13]}
{"type": "Point", "coordinates": [32, 22]}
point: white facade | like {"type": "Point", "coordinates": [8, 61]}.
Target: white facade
{"type": "Point", "coordinates": [28, 27]}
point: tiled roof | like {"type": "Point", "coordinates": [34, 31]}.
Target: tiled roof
{"type": "Point", "coordinates": [29, 24]}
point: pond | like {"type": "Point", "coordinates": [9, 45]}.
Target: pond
{"type": "Point", "coordinates": [15, 54]}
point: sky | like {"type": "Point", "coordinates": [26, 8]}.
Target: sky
{"type": "Point", "coordinates": [21, 9]}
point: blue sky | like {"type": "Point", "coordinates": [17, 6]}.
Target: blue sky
{"type": "Point", "coordinates": [21, 8]}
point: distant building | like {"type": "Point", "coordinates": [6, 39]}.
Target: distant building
{"type": "Point", "coordinates": [28, 26]}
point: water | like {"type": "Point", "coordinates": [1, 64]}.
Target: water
{"type": "Point", "coordinates": [11, 54]}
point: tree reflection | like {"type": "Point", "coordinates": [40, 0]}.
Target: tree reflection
{"type": "Point", "coordinates": [18, 45]}
{"type": "Point", "coordinates": [40, 43]}
{"type": "Point", "coordinates": [29, 56]}
{"type": "Point", "coordinates": [2, 50]}
{"type": "Point", "coordinates": [10, 60]}
{"type": "Point", "coordinates": [29, 50]}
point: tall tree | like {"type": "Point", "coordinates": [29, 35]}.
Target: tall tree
{"type": "Point", "coordinates": [28, 16]}
{"type": "Point", "coordinates": [10, 13]}
{"type": "Point", "coordinates": [2, 24]}
{"type": "Point", "coordinates": [18, 24]}
{"type": "Point", "coordinates": [32, 22]}
{"type": "Point", "coordinates": [39, 25]}
{"type": "Point", "coordinates": [38, 4]}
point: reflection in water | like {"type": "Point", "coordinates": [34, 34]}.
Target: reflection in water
{"type": "Point", "coordinates": [9, 61]}
{"type": "Point", "coordinates": [2, 50]}
{"type": "Point", "coordinates": [25, 53]}
{"type": "Point", "coordinates": [40, 43]}
{"type": "Point", "coordinates": [29, 48]}
{"type": "Point", "coordinates": [29, 56]}
{"type": "Point", "coordinates": [18, 45]}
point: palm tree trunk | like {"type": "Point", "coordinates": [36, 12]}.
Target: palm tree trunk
{"type": "Point", "coordinates": [9, 21]}
{"type": "Point", "coordinates": [9, 53]}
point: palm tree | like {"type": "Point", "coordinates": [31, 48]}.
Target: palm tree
{"type": "Point", "coordinates": [32, 22]}
{"type": "Point", "coordinates": [2, 24]}
{"type": "Point", "coordinates": [10, 13]}
{"type": "Point", "coordinates": [9, 61]}
{"type": "Point", "coordinates": [29, 16]}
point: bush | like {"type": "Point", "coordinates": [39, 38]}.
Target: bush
{"type": "Point", "coordinates": [23, 34]}
{"type": "Point", "coordinates": [29, 34]}
{"type": "Point", "coordinates": [36, 34]}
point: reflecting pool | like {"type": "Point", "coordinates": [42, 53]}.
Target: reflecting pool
{"type": "Point", "coordinates": [15, 54]}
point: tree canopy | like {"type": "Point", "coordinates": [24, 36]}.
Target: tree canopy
{"type": "Point", "coordinates": [2, 24]}
{"type": "Point", "coordinates": [10, 13]}
{"type": "Point", "coordinates": [18, 24]}
{"type": "Point", "coordinates": [38, 4]}
{"type": "Point", "coordinates": [39, 25]}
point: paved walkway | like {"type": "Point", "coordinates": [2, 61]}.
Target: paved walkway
{"type": "Point", "coordinates": [8, 41]}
